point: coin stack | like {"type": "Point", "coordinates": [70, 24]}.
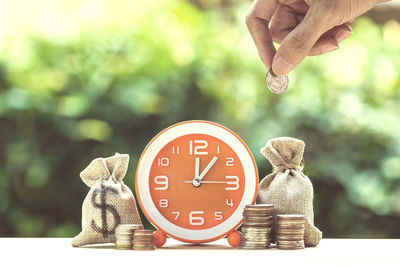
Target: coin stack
{"type": "Point", "coordinates": [143, 240]}
{"type": "Point", "coordinates": [290, 231]}
{"type": "Point", "coordinates": [257, 225]}
{"type": "Point", "coordinates": [124, 235]}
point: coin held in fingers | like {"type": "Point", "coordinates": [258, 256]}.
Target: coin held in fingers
{"type": "Point", "coordinates": [276, 84]}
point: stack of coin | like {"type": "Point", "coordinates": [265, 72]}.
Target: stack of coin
{"type": "Point", "coordinates": [124, 235]}
{"type": "Point", "coordinates": [143, 240]}
{"type": "Point", "coordinates": [257, 225]}
{"type": "Point", "coordinates": [290, 231]}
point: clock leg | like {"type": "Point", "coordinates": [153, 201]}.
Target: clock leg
{"type": "Point", "coordinates": [234, 238]}
{"type": "Point", "coordinates": [159, 238]}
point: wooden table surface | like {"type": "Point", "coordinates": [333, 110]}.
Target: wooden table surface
{"type": "Point", "coordinates": [330, 252]}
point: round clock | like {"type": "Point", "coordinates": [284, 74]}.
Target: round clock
{"type": "Point", "coordinates": [193, 181]}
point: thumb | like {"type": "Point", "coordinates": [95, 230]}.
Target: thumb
{"type": "Point", "coordinates": [297, 44]}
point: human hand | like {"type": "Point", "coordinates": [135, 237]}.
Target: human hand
{"type": "Point", "coordinates": [301, 27]}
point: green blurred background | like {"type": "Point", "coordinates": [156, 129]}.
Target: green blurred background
{"type": "Point", "coordinates": [82, 79]}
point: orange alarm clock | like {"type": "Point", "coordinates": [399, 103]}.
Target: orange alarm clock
{"type": "Point", "coordinates": [193, 181]}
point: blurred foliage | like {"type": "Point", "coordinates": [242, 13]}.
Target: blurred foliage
{"type": "Point", "coordinates": [83, 79]}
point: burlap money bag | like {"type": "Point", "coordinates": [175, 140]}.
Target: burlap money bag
{"type": "Point", "coordinates": [287, 188]}
{"type": "Point", "coordinates": [109, 201]}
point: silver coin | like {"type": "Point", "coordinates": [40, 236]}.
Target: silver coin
{"type": "Point", "coordinates": [257, 217]}
{"type": "Point", "coordinates": [289, 237]}
{"type": "Point", "coordinates": [245, 247]}
{"type": "Point", "coordinates": [131, 226]}
{"type": "Point", "coordinates": [256, 230]}
{"type": "Point", "coordinates": [254, 236]}
{"type": "Point", "coordinates": [255, 223]}
{"type": "Point", "coordinates": [290, 231]}
{"type": "Point", "coordinates": [255, 242]}
{"type": "Point", "coordinates": [143, 232]}
{"type": "Point", "coordinates": [254, 246]}
{"type": "Point", "coordinates": [257, 213]}
{"type": "Point", "coordinates": [247, 231]}
{"type": "Point", "coordinates": [123, 246]}
{"type": "Point", "coordinates": [143, 248]}
{"type": "Point", "coordinates": [291, 227]}
{"type": "Point", "coordinates": [290, 223]}
{"type": "Point", "coordinates": [290, 217]}
{"type": "Point", "coordinates": [290, 243]}
{"type": "Point", "coordinates": [276, 84]}
{"type": "Point", "coordinates": [289, 247]}
{"type": "Point", "coordinates": [248, 220]}
{"type": "Point", "coordinates": [258, 208]}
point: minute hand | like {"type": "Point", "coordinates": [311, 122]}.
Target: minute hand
{"type": "Point", "coordinates": [204, 172]}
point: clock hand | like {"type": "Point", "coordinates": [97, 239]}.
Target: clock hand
{"type": "Point", "coordinates": [197, 168]}
{"type": "Point", "coordinates": [208, 182]}
{"type": "Point", "coordinates": [206, 169]}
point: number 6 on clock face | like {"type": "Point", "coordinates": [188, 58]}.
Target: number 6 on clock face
{"type": "Point", "coordinates": [194, 179]}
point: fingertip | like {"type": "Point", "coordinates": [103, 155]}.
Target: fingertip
{"type": "Point", "coordinates": [266, 61]}
{"type": "Point", "coordinates": [348, 27]}
{"type": "Point", "coordinates": [280, 66]}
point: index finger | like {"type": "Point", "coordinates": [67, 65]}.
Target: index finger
{"type": "Point", "coordinates": [257, 20]}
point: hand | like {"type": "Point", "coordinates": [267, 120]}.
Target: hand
{"type": "Point", "coordinates": [302, 27]}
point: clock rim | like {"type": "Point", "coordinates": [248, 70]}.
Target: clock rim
{"type": "Point", "coordinates": [145, 212]}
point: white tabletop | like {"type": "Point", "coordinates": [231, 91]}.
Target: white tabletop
{"type": "Point", "coordinates": [330, 252]}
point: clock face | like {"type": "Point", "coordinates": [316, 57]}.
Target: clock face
{"type": "Point", "coordinates": [194, 179]}
{"type": "Point", "coordinates": [214, 198]}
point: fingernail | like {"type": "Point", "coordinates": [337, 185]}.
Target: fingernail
{"type": "Point", "coordinates": [349, 28]}
{"type": "Point", "coordinates": [280, 66]}
{"type": "Point", "coordinates": [343, 35]}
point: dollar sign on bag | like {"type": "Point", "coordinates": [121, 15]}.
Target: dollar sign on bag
{"type": "Point", "coordinates": [105, 230]}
